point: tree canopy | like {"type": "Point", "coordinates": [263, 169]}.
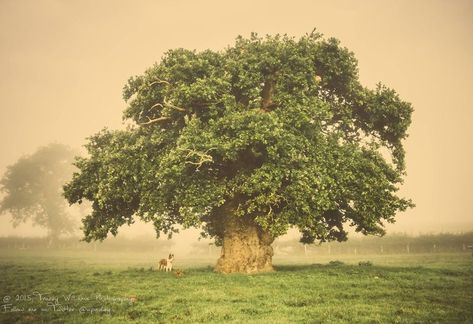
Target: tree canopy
{"type": "Point", "coordinates": [277, 129]}
{"type": "Point", "coordinates": [32, 189]}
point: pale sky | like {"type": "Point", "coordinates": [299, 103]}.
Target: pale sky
{"type": "Point", "coordinates": [63, 65]}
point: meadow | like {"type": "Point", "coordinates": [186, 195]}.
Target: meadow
{"type": "Point", "coordinates": [66, 286]}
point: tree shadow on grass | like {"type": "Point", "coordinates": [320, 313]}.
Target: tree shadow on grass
{"type": "Point", "coordinates": [281, 268]}
{"type": "Point", "coordinates": [305, 267]}
{"type": "Point", "coordinates": [357, 268]}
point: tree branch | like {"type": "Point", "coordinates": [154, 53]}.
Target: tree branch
{"type": "Point", "coordinates": [267, 94]}
{"type": "Point", "coordinates": [203, 157]}
{"type": "Point", "coordinates": [168, 104]}
{"type": "Point", "coordinates": [156, 120]}
{"type": "Point", "coordinates": [157, 105]}
{"type": "Point", "coordinates": [159, 81]}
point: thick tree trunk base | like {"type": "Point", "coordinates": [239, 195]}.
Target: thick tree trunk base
{"type": "Point", "coordinates": [246, 248]}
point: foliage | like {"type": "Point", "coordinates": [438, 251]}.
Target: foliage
{"type": "Point", "coordinates": [280, 128]}
{"type": "Point", "coordinates": [32, 188]}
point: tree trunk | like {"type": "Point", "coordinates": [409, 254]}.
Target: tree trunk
{"type": "Point", "coordinates": [246, 247]}
{"type": "Point", "coordinates": [53, 240]}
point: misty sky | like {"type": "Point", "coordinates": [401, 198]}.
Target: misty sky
{"type": "Point", "coordinates": [63, 65]}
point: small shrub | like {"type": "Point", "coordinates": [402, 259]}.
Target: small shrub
{"type": "Point", "coordinates": [365, 263]}
{"type": "Point", "coordinates": [336, 263]}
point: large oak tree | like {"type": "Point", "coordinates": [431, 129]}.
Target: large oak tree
{"type": "Point", "coordinates": [246, 142]}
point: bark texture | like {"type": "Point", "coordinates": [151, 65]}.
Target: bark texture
{"type": "Point", "coordinates": [246, 247]}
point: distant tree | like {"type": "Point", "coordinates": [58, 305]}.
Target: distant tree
{"type": "Point", "coordinates": [32, 190]}
{"type": "Point", "coordinates": [270, 133]}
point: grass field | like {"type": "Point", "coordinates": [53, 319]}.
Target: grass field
{"type": "Point", "coordinates": [92, 287]}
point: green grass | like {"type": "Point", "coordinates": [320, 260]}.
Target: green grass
{"type": "Point", "coordinates": [430, 288]}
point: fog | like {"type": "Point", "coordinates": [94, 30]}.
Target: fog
{"type": "Point", "coordinates": [63, 65]}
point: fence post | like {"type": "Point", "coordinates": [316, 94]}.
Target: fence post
{"type": "Point", "coordinates": [210, 249]}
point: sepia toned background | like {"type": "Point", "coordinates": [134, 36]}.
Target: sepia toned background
{"type": "Point", "coordinates": [63, 65]}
